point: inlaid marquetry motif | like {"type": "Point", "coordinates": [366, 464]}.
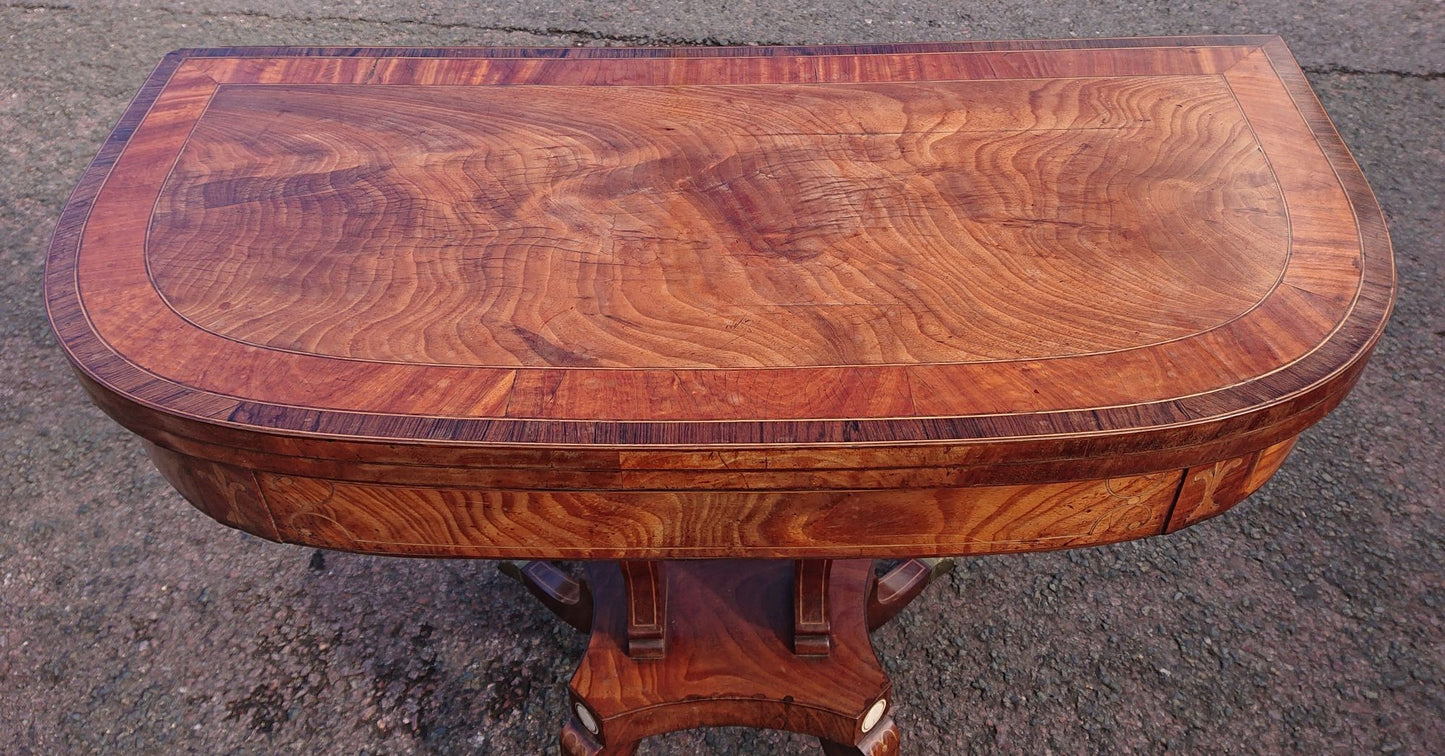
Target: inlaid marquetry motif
{"type": "Point", "coordinates": [305, 512]}
{"type": "Point", "coordinates": [1211, 489]}
{"type": "Point", "coordinates": [721, 306]}
{"type": "Point", "coordinates": [874, 246]}
{"type": "Point", "coordinates": [233, 491]}
{"type": "Point", "coordinates": [885, 742]}
{"type": "Point", "coordinates": [1211, 479]}
{"type": "Point", "coordinates": [921, 300]}
{"type": "Point", "coordinates": [227, 493]}
{"type": "Point", "coordinates": [1132, 506]}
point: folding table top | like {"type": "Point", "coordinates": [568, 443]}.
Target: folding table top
{"type": "Point", "coordinates": [1087, 256]}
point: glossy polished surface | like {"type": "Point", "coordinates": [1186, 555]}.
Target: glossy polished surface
{"type": "Point", "coordinates": [646, 227]}
{"type": "Point", "coordinates": [722, 302]}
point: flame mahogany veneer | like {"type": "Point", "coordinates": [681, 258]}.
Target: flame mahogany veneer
{"type": "Point", "coordinates": [791, 303]}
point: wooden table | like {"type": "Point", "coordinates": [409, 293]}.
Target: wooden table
{"type": "Point", "coordinates": [739, 320]}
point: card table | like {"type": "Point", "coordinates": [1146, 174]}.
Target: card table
{"type": "Point", "coordinates": [737, 328]}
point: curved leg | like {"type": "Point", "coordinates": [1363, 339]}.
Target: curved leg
{"type": "Point", "coordinates": [791, 636]}
{"type": "Point", "coordinates": [895, 590]}
{"type": "Point", "coordinates": [577, 741]}
{"type": "Point", "coordinates": [570, 600]}
{"type": "Point", "coordinates": [882, 740]}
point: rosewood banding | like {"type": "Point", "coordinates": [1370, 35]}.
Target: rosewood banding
{"type": "Point", "coordinates": [798, 304]}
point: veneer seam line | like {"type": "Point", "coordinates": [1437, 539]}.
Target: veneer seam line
{"type": "Point", "coordinates": [265, 53]}
{"type": "Point", "coordinates": [161, 88]}
{"type": "Point", "coordinates": [720, 84]}
{"type": "Point", "coordinates": [421, 440]}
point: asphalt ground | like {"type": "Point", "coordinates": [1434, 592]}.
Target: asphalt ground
{"type": "Point", "coordinates": [1307, 619]}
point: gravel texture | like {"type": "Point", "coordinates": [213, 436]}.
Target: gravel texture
{"type": "Point", "coordinates": [1308, 619]}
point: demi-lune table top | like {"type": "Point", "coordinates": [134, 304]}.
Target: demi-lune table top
{"type": "Point", "coordinates": [616, 302]}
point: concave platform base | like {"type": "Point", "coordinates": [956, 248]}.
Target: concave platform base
{"type": "Point", "coordinates": [768, 644]}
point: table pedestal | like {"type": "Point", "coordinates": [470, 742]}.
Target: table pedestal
{"type": "Point", "coordinates": [769, 644]}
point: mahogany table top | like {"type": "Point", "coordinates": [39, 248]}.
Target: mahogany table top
{"type": "Point", "coordinates": [875, 267]}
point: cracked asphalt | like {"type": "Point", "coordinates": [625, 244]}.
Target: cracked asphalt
{"type": "Point", "coordinates": [1308, 619]}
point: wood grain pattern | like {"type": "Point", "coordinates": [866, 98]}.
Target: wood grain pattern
{"type": "Point", "coordinates": [483, 522]}
{"type": "Point", "coordinates": [639, 227]}
{"type": "Point", "coordinates": [788, 303]}
{"type": "Point", "coordinates": [1209, 490]}
{"type": "Point", "coordinates": [894, 590]}
{"type": "Point", "coordinates": [648, 303]}
{"type": "Point", "coordinates": [729, 660]}
{"type": "Point", "coordinates": [226, 493]}
{"type": "Point", "coordinates": [732, 664]}
{"type": "Point", "coordinates": [441, 520]}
